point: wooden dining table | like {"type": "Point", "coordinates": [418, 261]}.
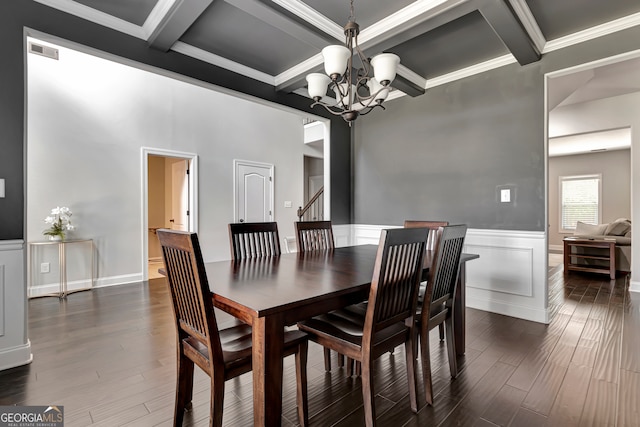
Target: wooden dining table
{"type": "Point", "coordinates": [273, 292]}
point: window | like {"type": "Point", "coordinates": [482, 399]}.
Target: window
{"type": "Point", "coordinates": [579, 200]}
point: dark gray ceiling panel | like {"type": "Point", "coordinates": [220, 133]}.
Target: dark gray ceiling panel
{"type": "Point", "coordinates": [233, 34]}
{"type": "Point", "coordinates": [558, 18]}
{"type": "Point", "coordinates": [460, 43]}
{"type": "Point", "coordinates": [367, 12]}
{"type": "Point", "coordinates": [134, 11]}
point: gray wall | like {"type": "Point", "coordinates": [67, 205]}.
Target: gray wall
{"type": "Point", "coordinates": [442, 155]}
{"type": "Point", "coordinates": [615, 167]}
{"type": "Point", "coordinates": [88, 119]}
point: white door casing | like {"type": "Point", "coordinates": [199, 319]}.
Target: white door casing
{"type": "Point", "coordinates": [253, 191]}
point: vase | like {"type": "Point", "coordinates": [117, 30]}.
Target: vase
{"type": "Point", "coordinates": [55, 238]}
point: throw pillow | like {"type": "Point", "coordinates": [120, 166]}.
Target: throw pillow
{"type": "Point", "coordinates": [584, 229]}
{"type": "Point", "coordinates": [618, 227]}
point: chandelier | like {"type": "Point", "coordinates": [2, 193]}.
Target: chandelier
{"type": "Point", "coordinates": [357, 91]}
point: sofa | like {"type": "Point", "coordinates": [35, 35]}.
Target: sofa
{"type": "Point", "coordinates": [620, 230]}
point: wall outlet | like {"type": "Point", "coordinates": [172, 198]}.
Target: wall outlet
{"type": "Point", "coordinates": [45, 267]}
{"type": "Point", "coordinates": [287, 204]}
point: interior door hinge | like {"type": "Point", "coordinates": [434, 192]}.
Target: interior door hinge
{"type": "Point", "coordinates": [187, 171]}
{"type": "Point", "coordinates": [188, 213]}
{"type": "Point", "coordinates": [270, 179]}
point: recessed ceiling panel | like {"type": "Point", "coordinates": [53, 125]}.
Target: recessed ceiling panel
{"type": "Point", "coordinates": [558, 18]}
{"type": "Point", "coordinates": [367, 12]}
{"type": "Point", "coordinates": [463, 42]}
{"type": "Point", "coordinates": [236, 35]}
{"type": "Point", "coordinates": [134, 11]}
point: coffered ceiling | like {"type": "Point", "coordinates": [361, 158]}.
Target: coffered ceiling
{"type": "Point", "coordinates": [278, 42]}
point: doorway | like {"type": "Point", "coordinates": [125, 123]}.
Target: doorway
{"type": "Point", "coordinates": [169, 199]}
{"type": "Point", "coordinates": [585, 101]}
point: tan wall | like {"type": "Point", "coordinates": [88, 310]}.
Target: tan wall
{"type": "Point", "coordinates": [156, 202]}
{"type": "Point", "coordinates": [615, 167]}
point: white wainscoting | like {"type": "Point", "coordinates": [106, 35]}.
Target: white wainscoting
{"type": "Point", "coordinates": [509, 278]}
{"type": "Point", "coordinates": [15, 348]}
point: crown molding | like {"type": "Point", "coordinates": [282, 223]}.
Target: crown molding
{"type": "Point", "coordinates": [158, 13]}
{"type": "Point", "coordinates": [529, 23]}
{"type": "Point", "coordinates": [311, 16]}
{"type": "Point", "coordinates": [415, 10]}
{"type": "Point", "coordinates": [100, 18]}
{"type": "Point", "coordinates": [412, 76]}
{"type": "Point", "coordinates": [301, 69]}
{"type": "Point", "coordinates": [221, 62]}
{"type": "Point", "coordinates": [593, 33]}
{"type": "Point", "coordinates": [491, 64]}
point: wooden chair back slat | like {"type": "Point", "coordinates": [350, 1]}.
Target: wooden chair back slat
{"type": "Point", "coordinates": [396, 278]}
{"type": "Point", "coordinates": [314, 236]}
{"type": "Point", "coordinates": [189, 288]}
{"type": "Point", "coordinates": [446, 263]}
{"type": "Point", "coordinates": [254, 240]}
{"type": "Point", "coordinates": [434, 226]}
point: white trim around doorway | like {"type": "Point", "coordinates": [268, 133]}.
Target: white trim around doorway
{"type": "Point", "coordinates": [144, 194]}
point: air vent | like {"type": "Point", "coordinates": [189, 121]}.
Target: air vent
{"type": "Point", "coordinates": [47, 51]}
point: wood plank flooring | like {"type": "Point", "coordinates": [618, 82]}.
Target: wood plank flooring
{"type": "Point", "coordinates": [108, 356]}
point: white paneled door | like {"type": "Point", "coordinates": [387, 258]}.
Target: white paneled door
{"type": "Point", "coordinates": [253, 191]}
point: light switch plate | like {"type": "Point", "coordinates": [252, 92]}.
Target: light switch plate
{"type": "Point", "coordinates": [287, 204]}
{"type": "Point", "coordinates": [505, 195]}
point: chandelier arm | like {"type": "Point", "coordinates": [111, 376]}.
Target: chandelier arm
{"type": "Point", "coordinates": [368, 109]}
{"type": "Point", "coordinates": [328, 108]}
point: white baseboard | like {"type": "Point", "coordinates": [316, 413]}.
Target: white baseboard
{"type": "Point", "coordinates": [634, 286]}
{"type": "Point", "coordinates": [15, 356]}
{"type": "Point", "coordinates": [509, 309]}
{"type": "Point", "coordinates": [81, 285]}
{"type": "Point", "coordinates": [556, 248]}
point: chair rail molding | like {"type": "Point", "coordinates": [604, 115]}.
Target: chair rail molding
{"type": "Point", "coordinates": [15, 348]}
{"type": "Point", "coordinates": [509, 278]}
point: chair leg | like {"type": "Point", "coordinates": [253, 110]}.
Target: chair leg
{"type": "Point", "coordinates": [217, 398]}
{"type": "Point", "coordinates": [368, 393]}
{"type": "Point", "coordinates": [184, 388]}
{"type": "Point", "coordinates": [451, 347]}
{"type": "Point", "coordinates": [327, 360]}
{"type": "Point", "coordinates": [441, 331]}
{"type": "Point", "coordinates": [426, 364]}
{"type": "Point", "coordinates": [350, 363]}
{"type": "Point", "coordinates": [409, 351]}
{"type": "Point", "coordinates": [301, 380]}
{"type": "Point", "coordinates": [340, 360]}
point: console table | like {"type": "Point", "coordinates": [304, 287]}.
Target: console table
{"type": "Point", "coordinates": [609, 255]}
{"type": "Point", "coordinates": [62, 261]}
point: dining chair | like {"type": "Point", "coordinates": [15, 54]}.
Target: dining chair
{"type": "Point", "coordinates": [432, 242]}
{"type": "Point", "coordinates": [222, 354]}
{"type": "Point", "coordinates": [254, 239]}
{"type": "Point", "coordinates": [389, 319]}
{"type": "Point", "coordinates": [315, 236]}
{"type": "Point", "coordinates": [436, 305]}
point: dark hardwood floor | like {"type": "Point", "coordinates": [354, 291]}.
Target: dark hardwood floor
{"type": "Point", "coordinates": [108, 356]}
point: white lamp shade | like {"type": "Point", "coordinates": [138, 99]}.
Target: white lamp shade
{"type": "Point", "coordinates": [317, 85]}
{"type": "Point", "coordinates": [344, 100]}
{"type": "Point", "coordinates": [385, 66]}
{"type": "Point", "coordinates": [374, 87]}
{"type": "Point", "coordinates": [335, 59]}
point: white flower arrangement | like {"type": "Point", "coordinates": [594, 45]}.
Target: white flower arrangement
{"type": "Point", "coordinates": [59, 221]}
